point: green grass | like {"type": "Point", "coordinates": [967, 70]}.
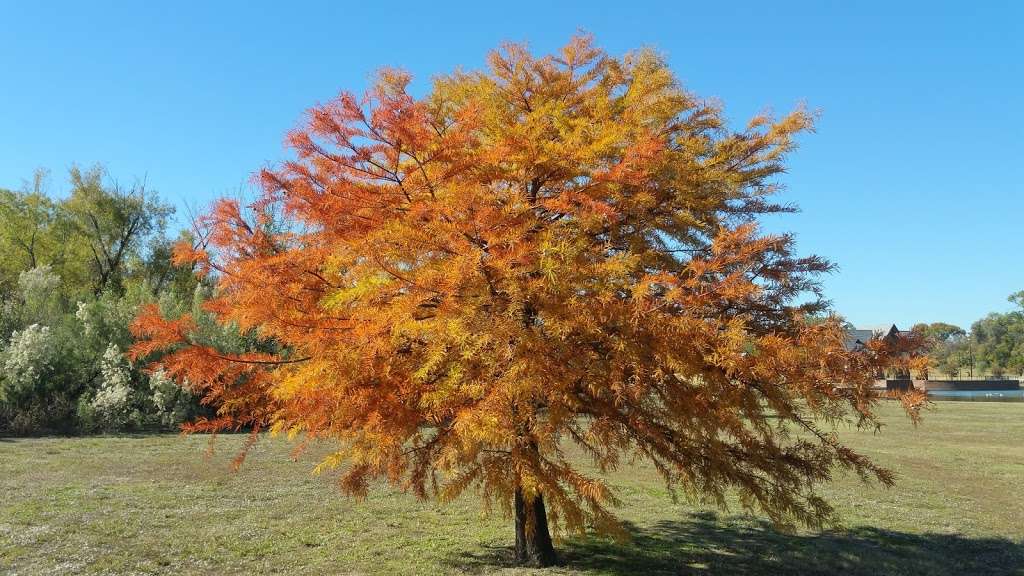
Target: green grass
{"type": "Point", "coordinates": [152, 504]}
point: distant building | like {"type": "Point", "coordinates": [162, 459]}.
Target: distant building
{"type": "Point", "coordinates": [893, 334]}
{"type": "Point", "coordinates": [857, 338]}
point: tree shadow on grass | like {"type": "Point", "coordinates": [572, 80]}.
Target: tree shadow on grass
{"type": "Point", "coordinates": [704, 544]}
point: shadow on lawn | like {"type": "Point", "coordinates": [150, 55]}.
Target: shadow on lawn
{"type": "Point", "coordinates": [705, 544]}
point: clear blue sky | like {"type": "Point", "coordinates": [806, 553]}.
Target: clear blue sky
{"type": "Point", "coordinates": [912, 183]}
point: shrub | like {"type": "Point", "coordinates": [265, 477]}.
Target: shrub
{"type": "Point", "coordinates": [29, 401]}
{"type": "Point", "coordinates": [172, 404]}
{"type": "Point", "coordinates": [28, 360]}
{"type": "Point", "coordinates": [113, 407]}
{"type": "Point", "coordinates": [39, 290]}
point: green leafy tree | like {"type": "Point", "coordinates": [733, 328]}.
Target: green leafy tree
{"type": "Point", "coordinates": [946, 344]}
{"type": "Point", "coordinates": [35, 231]}
{"type": "Point", "coordinates": [114, 223]}
{"type": "Point", "coordinates": [997, 340]}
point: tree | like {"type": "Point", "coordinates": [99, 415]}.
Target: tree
{"type": "Point", "coordinates": [115, 222]}
{"type": "Point", "coordinates": [944, 344]}
{"type": "Point", "coordinates": [998, 341]}
{"type": "Point", "coordinates": [940, 331]}
{"type": "Point", "coordinates": [94, 239]}
{"type": "Point", "coordinates": [34, 232]}
{"type": "Point", "coordinates": [561, 249]}
{"type": "Point", "coordinates": [1017, 298]}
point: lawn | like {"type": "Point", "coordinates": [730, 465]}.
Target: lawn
{"type": "Point", "coordinates": [152, 504]}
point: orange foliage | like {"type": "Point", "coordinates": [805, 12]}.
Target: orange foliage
{"type": "Point", "coordinates": [559, 250]}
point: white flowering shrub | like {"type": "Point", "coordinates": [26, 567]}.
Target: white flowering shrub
{"type": "Point", "coordinates": [106, 319]}
{"type": "Point", "coordinates": [112, 405]}
{"type": "Point", "coordinates": [9, 318]}
{"type": "Point", "coordinates": [41, 279]}
{"type": "Point", "coordinates": [63, 366]}
{"type": "Point", "coordinates": [29, 392]}
{"type": "Point", "coordinates": [173, 404]}
{"type": "Point", "coordinates": [84, 315]}
{"type": "Point", "coordinates": [39, 290]}
{"type": "Point", "coordinates": [27, 361]}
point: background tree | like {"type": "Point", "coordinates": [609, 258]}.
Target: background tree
{"type": "Point", "coordinates": [561, 249]}
{"type": "Point", "coordinates": [940, 331]}
{"type": "Point", "coordinates": [1017, 298]}
{"type": "Point", "coordinates": [945, 344]}
{"type": "Point", "coordinates": [113, 222]}
{"type": "Point", "coordinates": [73, 272]}
{"type": "Point", "coordinates": [997, 340]}
{"type": "Point", "coordinates": [995, 343]}
{"type": "Point", "coordinates": [35, 231]}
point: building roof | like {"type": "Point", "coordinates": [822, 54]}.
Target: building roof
{"type": "Point", "coordinates": [893, 333]}
{"type": "Point", "coordinates": [855, 338]}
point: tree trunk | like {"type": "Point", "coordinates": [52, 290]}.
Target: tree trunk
{"type": "Point", "coordinates": [533, 541]}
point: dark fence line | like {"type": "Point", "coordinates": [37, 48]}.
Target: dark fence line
{"type": "Point", "coordinates": [991, 384]}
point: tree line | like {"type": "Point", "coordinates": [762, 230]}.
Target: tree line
{"type": "Point", "coordinates": [74, 271]}
{"type": "Point", "coordinates": [994, 345]}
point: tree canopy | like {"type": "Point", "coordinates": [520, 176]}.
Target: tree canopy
{"type": "Point", "coordinates": [994, 346]}
{"type": "Point", "coordinates": [560, 249]}
{"type": "Point", "coordinates": [997, 340]}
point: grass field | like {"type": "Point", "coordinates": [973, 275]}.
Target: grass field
{"type": "Point", "coordinates": [152, 504]}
